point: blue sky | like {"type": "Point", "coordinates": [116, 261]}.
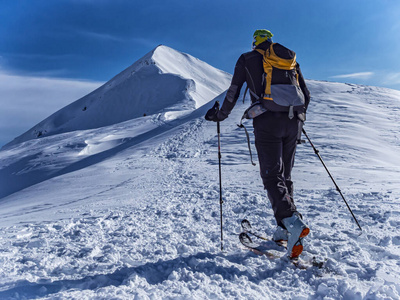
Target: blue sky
{"type": "Point", "coordinates": [353, 41]}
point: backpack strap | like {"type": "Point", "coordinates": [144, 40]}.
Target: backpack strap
{"type": "Point", "coordinates": [254, 94]}
{"type": "Point", "coordinates": [268, 73]}
{"type": "Point", "coordinates": [248, 140]}
{"type": "Point", "coordinates": [251, 93]}
{"type": "Point", "coordinates": [245, 92]}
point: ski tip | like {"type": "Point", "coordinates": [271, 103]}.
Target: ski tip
{"type": "Point", "coordinates": [244, 236]}
{"type": "Point", "coordinates": [245, 221]}
{"type": "Point", "coordinates": [246, 226]}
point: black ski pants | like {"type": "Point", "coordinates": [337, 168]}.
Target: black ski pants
{"type": "Point", "coordinates": [276, 141]}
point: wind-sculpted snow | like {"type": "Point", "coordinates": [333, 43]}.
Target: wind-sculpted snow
{"type": "Point", "coordinates": [133, 212]}
{"type": "Point", "coordinates": [164, 81]}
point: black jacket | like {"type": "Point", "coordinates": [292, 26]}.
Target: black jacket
{"type": "Point", "coordinates": [249, 69]}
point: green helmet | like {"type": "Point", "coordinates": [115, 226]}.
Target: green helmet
{"type": "Point", "coordinates": [261, 35]}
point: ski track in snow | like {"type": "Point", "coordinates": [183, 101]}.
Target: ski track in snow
{"type": "Point", "coordinates": [144, 223]}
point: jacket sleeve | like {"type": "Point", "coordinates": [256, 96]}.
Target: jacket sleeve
{"type": "Point", "coordinates": [303, 86]}
{"type": "Point", "coordinates": [239, 77]}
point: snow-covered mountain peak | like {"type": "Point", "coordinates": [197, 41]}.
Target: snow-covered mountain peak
{"type": "Point", "coordinates": [148, 59]}
{"type": "Point", "coordinates": [172, 61]}
{"type": "Point", "coordinates": [164, 81]}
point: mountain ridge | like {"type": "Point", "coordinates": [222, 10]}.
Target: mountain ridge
{"type": "Point", "coordinates": [162, 80]}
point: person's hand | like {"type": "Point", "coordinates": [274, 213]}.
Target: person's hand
{"type": "Point", "coordinates": [214, 114]}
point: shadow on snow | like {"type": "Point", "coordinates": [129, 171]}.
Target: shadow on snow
{"type": "Point", "coordinates": [12, 182]}
{"type": "Point", "coordinates": [154, 273]}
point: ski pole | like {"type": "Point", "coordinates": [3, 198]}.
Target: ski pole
{"type": "Point", "coordinates": [220, 179]}
{"type": "Point", "coordinates": [334, 182]}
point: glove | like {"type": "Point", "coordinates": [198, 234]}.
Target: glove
{"type": "Point", "coordinates": [214, 114]}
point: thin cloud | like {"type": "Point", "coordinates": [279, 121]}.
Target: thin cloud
{"type": "Point", "coordinates": [115, 38]}
{"type": "Point", "coordinates": [360, 75]}
{"type": "Point", "coordinates": [101, 36]}
{"type": "Point", "coordinates": [392, 78]}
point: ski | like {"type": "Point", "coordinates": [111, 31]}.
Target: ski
{"type": "Point", "coordinates": [254, 247]}
{"type": "Point", "coordinates": [246, 227]}
{"type": "Point", "coordinates": [260, 249]}
{"type": "Point", "coordinates": [265, 247]}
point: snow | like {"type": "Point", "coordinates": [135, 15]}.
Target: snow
{"type": "Point", "coordinates": [142, 89]}
{"type": "Point", "coordinates": [129, 208]}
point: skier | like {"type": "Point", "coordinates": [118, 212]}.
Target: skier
{"type": "Point", "coordinates": [276, 133]}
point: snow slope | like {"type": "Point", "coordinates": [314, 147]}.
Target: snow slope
{"type": "Point", "coordinates": [164, 80]}
{"type": "Point", "coordinates": [131, 210]}
{"type": "Point", "coordinates": [164, 85]}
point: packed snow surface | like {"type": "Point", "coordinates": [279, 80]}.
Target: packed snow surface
{"type": "Point", "coordinates": [130, 210]}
